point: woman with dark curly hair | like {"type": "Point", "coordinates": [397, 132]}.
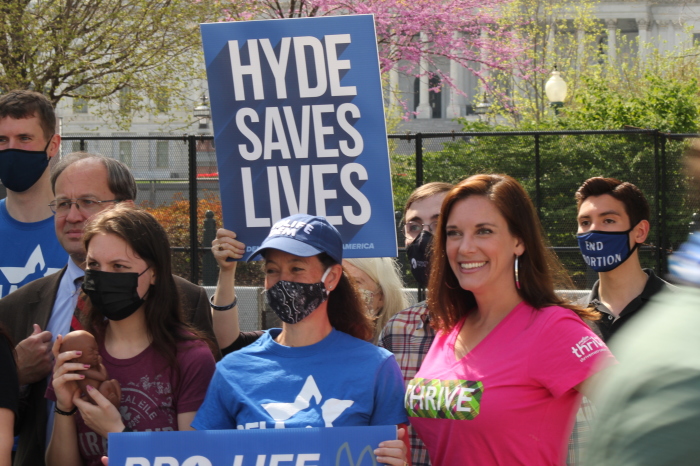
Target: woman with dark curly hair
{"type": "Point", "coordinates": [501, 381]}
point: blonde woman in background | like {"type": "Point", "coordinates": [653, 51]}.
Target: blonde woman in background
{"type": "Point", "coordinates": [378, 280]}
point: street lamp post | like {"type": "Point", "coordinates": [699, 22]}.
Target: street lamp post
{"type": "Point", "coordinates": [556, 90]}
{"type": "Point", "coordinates": [203, 113]}
{"type": "Point", "coordinates": [482, 108]}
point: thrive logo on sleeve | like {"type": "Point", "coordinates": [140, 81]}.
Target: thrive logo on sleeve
{"type": "Point", "coordinates": [443, 399]}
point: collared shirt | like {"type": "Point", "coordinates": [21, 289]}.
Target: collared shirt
{"type": "Point", "coordinates": [408, 335]}
{"type": "Point", "coordinates": [61, 316]}
{"type": "Point", "coordinates": [606, 327]}
{"type": "Point", "coordinates": [608, 324]}
{"type": "Point", "coordinates": [66, 299]}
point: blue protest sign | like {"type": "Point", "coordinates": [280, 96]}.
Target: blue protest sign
{"type": "Point", "coordinates": [318, 446]}
{"type": "Point", "coordinates": [299, 127]}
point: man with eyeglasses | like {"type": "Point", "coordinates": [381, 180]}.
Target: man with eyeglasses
{"type": "Point", "coordinates": [408, 333]}
{"type": "Point", "coordinates": [83, 184]}
{"type": "Point", "coordinates": [27, 143]}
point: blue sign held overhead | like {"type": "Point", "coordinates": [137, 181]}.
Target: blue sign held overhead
{"type": "Point", "coordinates": [299, 126]}
{"type": "Point", "coordinates": [318, 446]}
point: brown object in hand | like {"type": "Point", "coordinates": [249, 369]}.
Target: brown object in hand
{"type": "Point", "coordinates": [97, 376]}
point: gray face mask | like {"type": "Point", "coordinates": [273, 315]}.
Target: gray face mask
{"type": "Point", "coordinates": [292, 301]}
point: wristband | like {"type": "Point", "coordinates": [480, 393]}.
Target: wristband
{"type": "Point", "coordinates": [64, 413]}
{"type": "Point", "coordinates": [223, 308]}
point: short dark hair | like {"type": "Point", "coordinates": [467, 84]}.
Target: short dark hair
{"type": "Point", "coordinates": [425, 191]}
{"type": "Point", "coordinates": [636, 205]}
{"type": "Point", "coordinates": [19, 104]}
{"type": "Point", "coordinates": [119, 178]}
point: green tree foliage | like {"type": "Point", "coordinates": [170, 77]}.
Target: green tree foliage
{"type": "Point", "coordinates": [565, 161]}
{"type": "Point", "coordinates": [548, 29]}
{"type": "Point", "coordinates": [657, 99]}
{"type": "Point", "coordinates": [175, 218]}
{"type": "Point", "coordinates": [93, 49]}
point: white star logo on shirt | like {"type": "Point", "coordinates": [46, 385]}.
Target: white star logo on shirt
{"type": "Point", "coordinates": [330, 410]}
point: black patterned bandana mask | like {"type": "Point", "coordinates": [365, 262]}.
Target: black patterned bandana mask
{"type": "Point", "coordinates": [292, 301]}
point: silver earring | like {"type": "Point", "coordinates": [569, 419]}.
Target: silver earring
{"type": "Point", "coordinates": [517, 273]}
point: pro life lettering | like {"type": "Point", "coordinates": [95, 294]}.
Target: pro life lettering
{"type": "Point", "coordinates": [304, 459]}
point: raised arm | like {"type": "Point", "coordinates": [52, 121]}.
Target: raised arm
{"type": "Point", "coordinates": [225, 316]}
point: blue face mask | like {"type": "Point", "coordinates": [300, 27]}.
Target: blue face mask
{"type": "Point", "coordinates": [20, 169]}
{"type": "Point", "coordinates": [604, 251]}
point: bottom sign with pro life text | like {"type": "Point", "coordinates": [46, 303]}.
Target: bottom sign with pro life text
{"type": "Point", "coordinates": [337, 446]}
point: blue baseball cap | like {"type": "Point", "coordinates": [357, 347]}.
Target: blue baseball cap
{"type": "Point", "coordinates": [304, 236]}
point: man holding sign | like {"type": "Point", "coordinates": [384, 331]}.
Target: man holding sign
{"type": "Point", "coordinates": [299, 126]}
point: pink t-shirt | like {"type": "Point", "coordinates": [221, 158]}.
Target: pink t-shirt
{"type": "Point", "coordinates": [152, 395]}
{"type": "Point", "coordinates": [511, 399]}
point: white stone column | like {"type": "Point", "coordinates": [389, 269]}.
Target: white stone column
{"type": "Point", "coordinates": [454, 109]}
{"type": "Point", "coordinates": [665, 40]}
{"type": "Point", "coordinates": [611, 24]}
{"type": "Point", "coordinates": [643, 26]}
{"type": "Point", "coordinates": [424, 110]}
{"type": "Point", "coordinates": [485, 73]}
{"type": "Point", "coordinates": [580, 37]}
{"type": "Point", "coordinates": [394, 87]}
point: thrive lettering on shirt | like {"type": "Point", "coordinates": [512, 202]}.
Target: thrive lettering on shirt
{"type": "Point", "coordinates": [443, 399]}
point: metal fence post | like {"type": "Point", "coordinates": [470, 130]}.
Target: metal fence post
{"type": "Point", "coordinates": [663, 244]}
{"type": "Point", "coordinates": [419, 159]}
{"type": "Point", "coordinates": [194, 243]}
{"type": "Point", "coordinates": [210, 272]}
{"type": "Point", "coordinates": [538, 177]}
{"type": "Point", "coordinates": [657, 204]}
{"type": "Point", "coordinates": [419, 182]}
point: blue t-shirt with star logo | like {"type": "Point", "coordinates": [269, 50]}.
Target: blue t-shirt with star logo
{"type": "Point", "coordinates": [339, 381]}
{"type": "Point", "coordinates": [29, 251]}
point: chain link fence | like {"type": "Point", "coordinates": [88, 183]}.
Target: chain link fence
{"type": "Point", "coordinates": [178, 182]}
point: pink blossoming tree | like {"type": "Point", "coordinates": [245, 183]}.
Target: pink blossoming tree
{"type": "Point", "coordinates": [412, 34]}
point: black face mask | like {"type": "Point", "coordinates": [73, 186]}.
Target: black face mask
{"type": "Point", "coordinates": [418, 253]}
{"type": "Point", "coordinates": [20, 169]}
{"type": "Point", "coordinates": [113, 294]}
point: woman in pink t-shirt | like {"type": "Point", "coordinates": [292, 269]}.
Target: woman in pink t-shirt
{"type": "Point", "coordinates": [502, 379]}
{"type": "Point", "coordinates": [161, 363]}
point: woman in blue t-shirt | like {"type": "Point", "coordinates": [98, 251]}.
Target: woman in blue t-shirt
{"type": "Point", "coordinates": [318, 370]}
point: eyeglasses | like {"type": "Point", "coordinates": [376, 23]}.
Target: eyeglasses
{"type": "Point", "coordinates": [413, 229]}
{"type": "Point", "coordinates": [87, 206]}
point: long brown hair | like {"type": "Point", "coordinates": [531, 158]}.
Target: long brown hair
{"type": "Point", "coordinates": [346, 311]}
{"type": "Point", "coordinates": [164, 318]}
{"type": "Point", "coordinates": [539, 266]}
